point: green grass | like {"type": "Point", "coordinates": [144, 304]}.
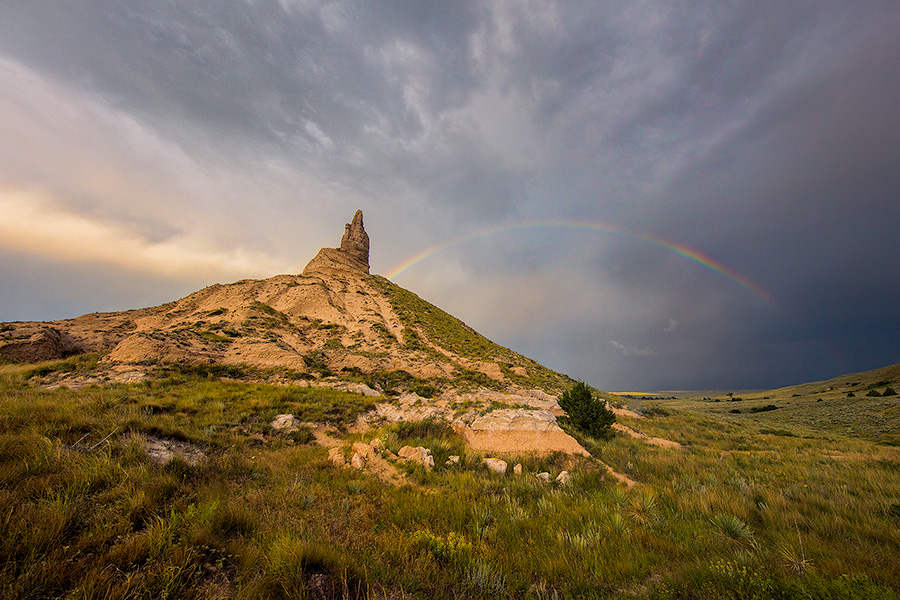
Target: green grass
{"type": "Point", "coordinates": [747, 512]}
{"type": "Point", "coordinates": [811, 407]}
{"type": "Point", "coordinates": [451, 334]}
{"type": "Point", "coordinates": [81, 363]}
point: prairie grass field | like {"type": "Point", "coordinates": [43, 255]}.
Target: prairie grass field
{"type": "Point", "coordinates": [754, 506]}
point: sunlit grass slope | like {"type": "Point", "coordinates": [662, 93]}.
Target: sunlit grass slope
{"type": "Point", "coordinates": [748, 511]}
{"type": "Point", "coordinates": [862, 405]}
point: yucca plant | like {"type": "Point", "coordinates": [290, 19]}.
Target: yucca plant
{"type": "Point", "coordinates": [735, 529]}
{"type": "Point", "coordinates": [644, 507]}
{"type": "Point", "coordinates": [617, 524]}
{"type": "Point", "coordinates": [793, 560]}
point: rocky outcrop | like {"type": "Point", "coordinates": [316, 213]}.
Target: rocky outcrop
{"type": "Point", "coordinates": [353, 254]}
{"type": "Point", "coordinates": [46, 343]}
{"type": "Point", "coordinates": [287, 423]}
{"type": "Point", "coordinates": [419, 455]}
{"type": "Point", "coordinates": [519, 431]}
{"type": "Point", "coordinates": [355, 242]}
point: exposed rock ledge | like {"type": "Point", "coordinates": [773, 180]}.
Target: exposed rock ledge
{"type": "Point", "coordinates": [503, 431]}
{"type": "Point", "coordinates": [518, 430]}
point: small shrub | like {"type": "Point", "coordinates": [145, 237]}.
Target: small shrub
{"type": "Point", "coordinates": [889, 392]}
{"type": "Point", "coordinates": [482, 579]}
{"type": "Point", "coordinates": [655, 411]}
{"type": "Point", "coordinates": [766, 408]}
{"type": "Point", "coordinates": [585, 412]}
{"type": "Point", "coordinates": [303, 435]}
{"type": "Point", "coordinates": [391, 382]}
{"type": "Point", "coordinates": [453, 548]}
{"type": "Point", "coordinates": [425, 390]}
{"type": "Point", "coordinates": [316, 361]}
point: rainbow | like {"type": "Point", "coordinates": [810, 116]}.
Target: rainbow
{"type": "Point", "coordinates": [679, 249]}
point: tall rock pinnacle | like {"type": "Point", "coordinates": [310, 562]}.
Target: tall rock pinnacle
{"type": "Point", "coordinates": [353, 254]}
{"type": "Point", "coordinates": [355, 243]}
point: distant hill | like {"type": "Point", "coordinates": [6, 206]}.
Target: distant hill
{"type": "Point", "coordinates": [859, 383]}
{"type": "Point", "coordinates": [333, 320]}
{"type": "Point", "coordinates": [861, 405]}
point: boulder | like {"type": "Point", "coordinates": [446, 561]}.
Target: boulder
{"type": "Point", "coordinates": [496, 465]}
{"type": "Point", "coordinates": [543, 476]}
{"type": "Point", "coordinates": [336, 456]}
{"type": "Point", "coordinates": [286, 423]}
{"type": "Point", "coordinates": [162, 450]}
{"type": "Point", "coordinates": [363, 449]}
{"type": "Point", "coordinates": [357, 462]}
{"type": "Point", "coordinates": [359, 388]}
{"type": "Point", "coordinates": [517, 470]}
{"type": "Point", "coordinates": [418, 455]}
{"type": "Point", "coordinates": [564, 478]}
{"type": "Point", "coordinates": [47, 343]}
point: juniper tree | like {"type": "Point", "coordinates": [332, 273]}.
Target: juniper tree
{"type": "Point", "coordinates": [586, 412]}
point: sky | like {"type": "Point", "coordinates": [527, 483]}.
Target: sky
{"type": "Point", "coordinates": [646, 195]}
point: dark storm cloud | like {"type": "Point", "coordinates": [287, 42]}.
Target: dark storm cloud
{"type": "Point", "coordinates": [326, 82]}
{"type": "Point", "coordinates": [762, 134]}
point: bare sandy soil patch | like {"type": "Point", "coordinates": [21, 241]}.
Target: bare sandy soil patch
{"type": "Point", "coordinates": [656, 441]}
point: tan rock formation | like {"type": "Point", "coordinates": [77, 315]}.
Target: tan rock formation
{"type": "Point", "coordinates": [495, 465]}
{"type": "Point", "coordinates": [355, 242]}
{"type": "Point", "coordinates": [38, 343]}
{"type": "Point", "coordinates": [285, 422]}
{"type": "Point", "coordinates": [519, 431]}
{"type": "Point", "coordinates": [353, 254]}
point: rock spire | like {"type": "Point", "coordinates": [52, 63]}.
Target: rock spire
{"type": "Point", "coordinates": [355, 243]}
{"type": "Point", "coordinates": [352, 255]}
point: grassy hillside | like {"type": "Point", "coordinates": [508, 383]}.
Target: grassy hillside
{"type": "Point", "coordinates": [850, 405]}
{"type": "Point", "coordinates": [424, 320]}
{"type": "Point", "coordinates": [749, 511]}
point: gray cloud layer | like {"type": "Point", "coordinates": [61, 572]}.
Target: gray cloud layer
{"type": "Point", "coordinates": [164, 146]}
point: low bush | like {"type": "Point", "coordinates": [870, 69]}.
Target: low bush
{"type": "Point", "coordinates": [586, 412]}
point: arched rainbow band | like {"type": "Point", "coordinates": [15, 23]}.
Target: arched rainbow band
{"type": "Point", "coordinates": [680, 249]}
